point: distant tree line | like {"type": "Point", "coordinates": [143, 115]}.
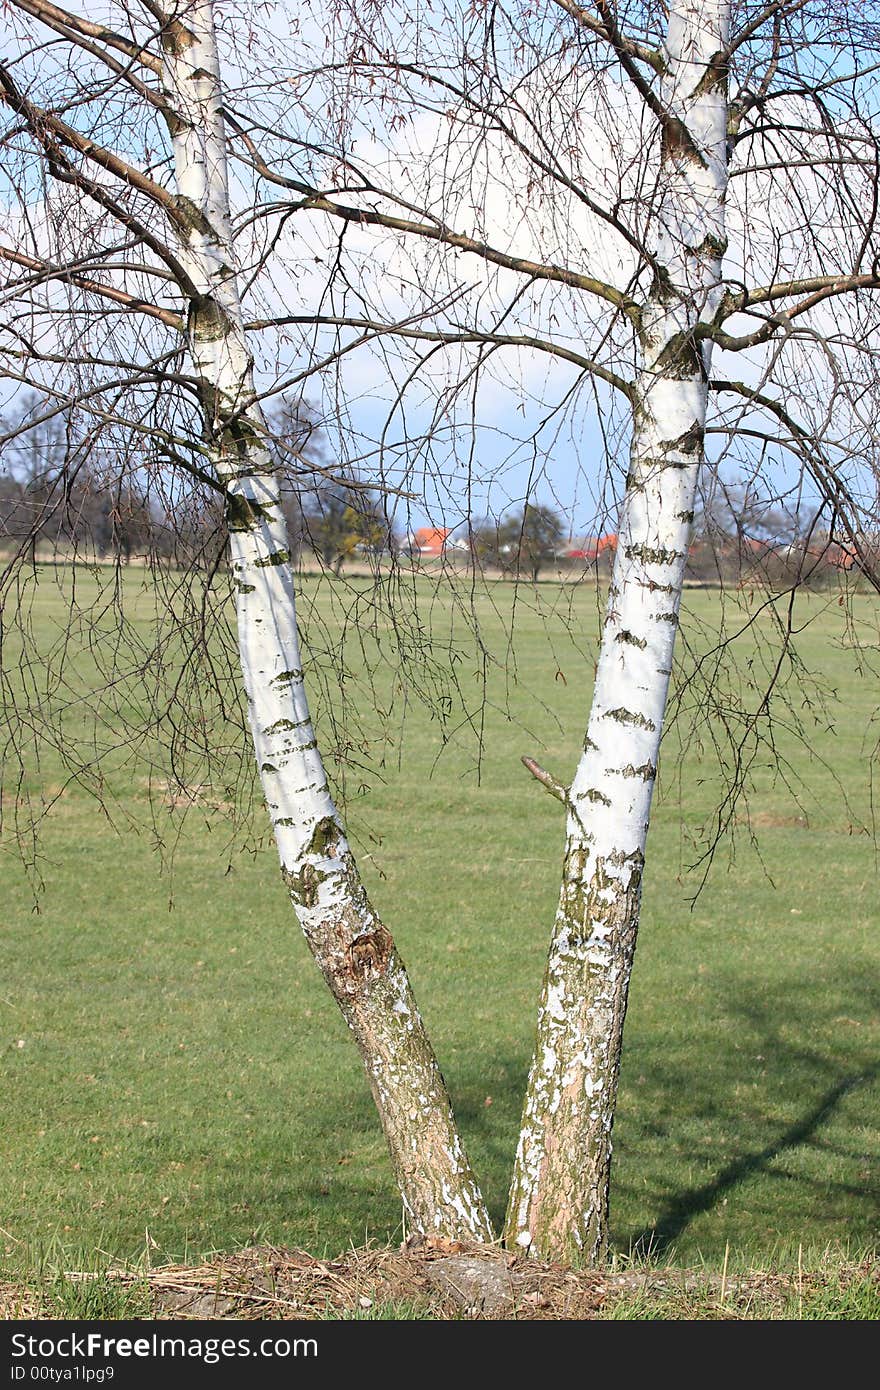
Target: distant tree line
{"type": "Point", "coordinates": [54, 491]}
{"type": "Point", "coordinates": [522, 544]}
{"type": "Point", "coordinates": [738, 538]}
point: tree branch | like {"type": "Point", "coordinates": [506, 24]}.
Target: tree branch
{"type": "Point", "coordinates": [786, 289]}
{"type": "Point", "coordinates": [824, 287]}
{"type": "Point", "coordinates": [378, 329]}
{"type": "Point", "coordinates": [833, 490]}
{"type": "Point", "coordinates": [631, 47]}
{"type": "Point", "coordinates": [45, 272]}
{"type": "Point", "coordinates": [775, 9]}
{"type": "Point", "coordinates": [490, 111]}
{"type": "Point", "coordinates": [538, 270]}
{"type": "Point", "coordinates": [62, 21]}
{"type": "Point", "coordinates": [436, 231]}
{"type": "Point", "coordinates": [119, 69]}
{"type": "Point", "coordinates": [42, 123]}
{"type": "Point", "coordinates": [608, 30]}
{"type": "Point", "coordinates": [547, 780]}
{"type": "Point", "coordinates": [53, 134]}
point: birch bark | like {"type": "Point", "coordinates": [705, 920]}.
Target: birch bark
{"type": "Point", "coordinates": [558, 1204]}
{"type": "Point", "coordinates": [352, 947]}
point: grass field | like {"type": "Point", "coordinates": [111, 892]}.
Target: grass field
{"type": "Point", "coordinates": [180, 1080]}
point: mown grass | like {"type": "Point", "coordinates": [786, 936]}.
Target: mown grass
{"type": "Point", "coordinates": [179, 1081]}
{"type": "Point", "coordinates": [834, 1301]}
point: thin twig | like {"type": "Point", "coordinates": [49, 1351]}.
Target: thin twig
{"type": "Point", "coordinates": [547, 780]}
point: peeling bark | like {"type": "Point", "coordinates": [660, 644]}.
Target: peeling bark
{"type": "Point", "coordinates": [558, 1205]}
{"type": "Point", "coordinates": [352, 947]}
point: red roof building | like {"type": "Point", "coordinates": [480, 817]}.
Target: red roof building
{"type": "Point", "coordinates": [428, 541]}
{"type": "Point", "coordinates": [592, 548]}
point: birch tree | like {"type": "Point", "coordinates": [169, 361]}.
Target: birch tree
{"type": "Point", "coordinates": [673, 209]}
{"type": "Point", "coordinates": [560, 1190]}
{"type": "Point", "coordinates": [170, 61]}
{"type": "Point", "coordinates": [559, 1195]}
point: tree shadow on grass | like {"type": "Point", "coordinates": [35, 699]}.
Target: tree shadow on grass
{"type": "Point", "coordinates": [684, 1208]}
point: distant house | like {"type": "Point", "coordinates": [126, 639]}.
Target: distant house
{"type": "Point", "coordinates": [591, 549]}
{"type": "Point", "coordinates": [834, 555]}
{"type": "Point", "coordinates": [430, 542]}
{"type": "Point", "coordinates": [427, 542]}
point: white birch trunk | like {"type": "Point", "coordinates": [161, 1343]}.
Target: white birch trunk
{"type": "Point", "coordinates": [353, 949]}
{"type": "Point", "coordinates": [558, 1205]}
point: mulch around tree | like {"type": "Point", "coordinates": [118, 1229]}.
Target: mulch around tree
{"type": "Point", "coordinates": [436, 1279]}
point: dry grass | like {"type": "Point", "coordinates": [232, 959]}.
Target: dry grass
{"type": "Point", "coordinates": [436, 1279]}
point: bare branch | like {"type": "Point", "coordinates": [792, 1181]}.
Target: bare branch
{"type": "Point", "coordinates": [609, 30]}
{"type": "Point", "coordinates": [787, 289]}
{"type": "Point", "coordinates": [375, 328]}
{"type": "Point", "coordinates": [44, 272]}
{"type": "Point", "coordinates": [828, 480]}
{"type": "Point", "coordinates": [630, 46]}
{"type": "Point", "coordinates": [53, 134]}
{"type": "Point", "coordinates": [547, 780]}
{"type": "Point", "coordinates": [776, 8]}
{"type": "Point", "coordinates": [825, 288]}
{"type": "Point", "coordinates": [42, 123]}
{"type": "Point", "coordinates": [537, 270]}
{"type": "Point", "coordinates": [75, 27]}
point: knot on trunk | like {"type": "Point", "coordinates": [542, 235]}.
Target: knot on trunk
{"type": "Point", "coordinates": [369, 955]}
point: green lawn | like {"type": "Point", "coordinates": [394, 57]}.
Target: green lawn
{"type": "Point", "coordinates": [181, 1077]}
